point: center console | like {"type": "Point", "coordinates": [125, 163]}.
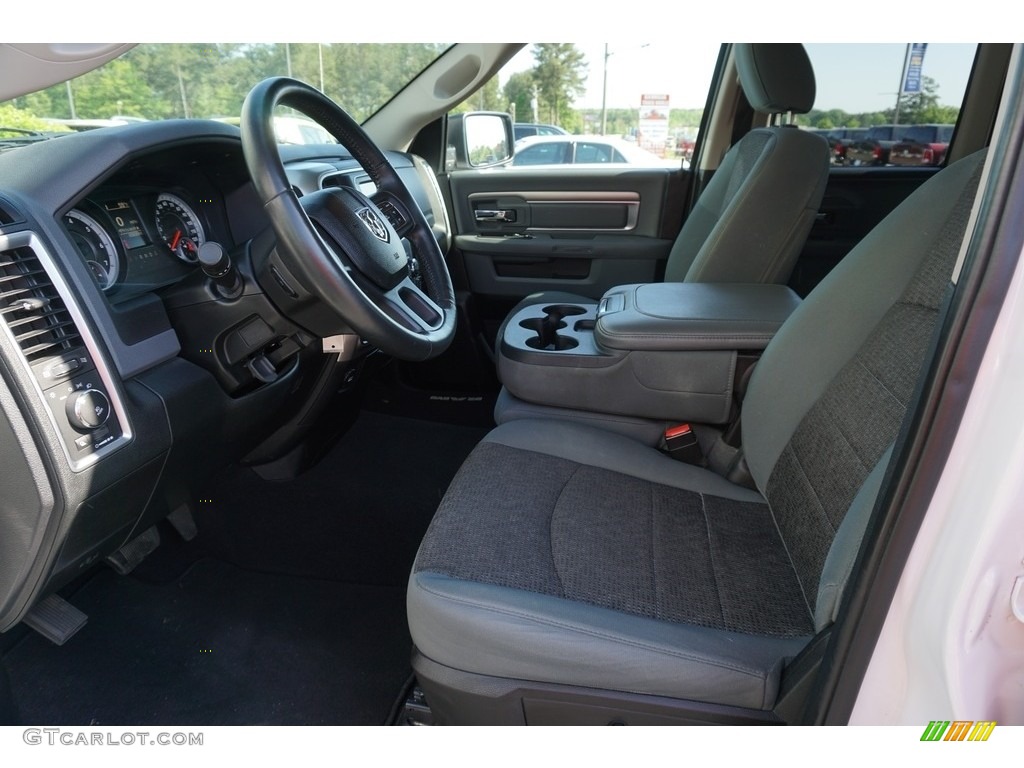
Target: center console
{"type": "Point", "coordinates": [664, 351]}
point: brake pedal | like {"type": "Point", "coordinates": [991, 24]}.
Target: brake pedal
{"type": "Point", "coordinates": [183, 522]}
{"type": "Point", "coordinates": [55, 619]}
{"type": "Point", "coordinates": [135, 551]}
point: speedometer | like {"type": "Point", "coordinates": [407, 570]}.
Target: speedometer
{"type": "Point", "coordinates": [179, 227]}
{"type": "Point", "coordinates": [96, 247]}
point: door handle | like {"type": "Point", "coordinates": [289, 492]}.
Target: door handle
{"type": "Point", "coordinates": [504, 215]}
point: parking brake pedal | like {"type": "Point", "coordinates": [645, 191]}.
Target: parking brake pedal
{"type": "Point", "coordinates": [135, 551]}
{"type": "Point", "coordinates": [56, 619]}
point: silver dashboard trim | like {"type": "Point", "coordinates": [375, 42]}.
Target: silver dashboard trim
{"type": "Point", "coordinates": [29, 239]}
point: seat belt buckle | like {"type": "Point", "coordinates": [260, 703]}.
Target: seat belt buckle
{"type": "Point", "coordinates": [681, 444]}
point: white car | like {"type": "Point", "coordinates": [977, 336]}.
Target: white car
{"type": "Point", "coordinates": [587, 150]}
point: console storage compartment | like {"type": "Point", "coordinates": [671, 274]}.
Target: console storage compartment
{"type": "Point", "coordinates": [660, 351]}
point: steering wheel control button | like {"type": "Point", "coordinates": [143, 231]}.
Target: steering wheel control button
{"type": "Point", "coordinates": [87, 409]}
{"type": "Point", "coordinates": [395, 216]}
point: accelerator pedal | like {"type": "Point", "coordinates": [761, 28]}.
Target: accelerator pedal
{"type": "Point", "coordinates": [135, 551]}
{"type": "Point", "coordinates": [56, 619]}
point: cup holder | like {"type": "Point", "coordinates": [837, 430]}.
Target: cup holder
{"type": "Point", "coordinates": [546, 329]}
{"type": "Point", "coordinates": [556, 344]}
{"type": "Point", "coordinates": [563, 310]}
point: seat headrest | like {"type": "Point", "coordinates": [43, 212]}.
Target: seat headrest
{"type": "Point", "coordinates": [776, 77]}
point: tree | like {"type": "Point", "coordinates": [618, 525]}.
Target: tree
{"type": "Point", "coordinates": [519, 91]}
{"type": "Point", "coordinates": [116, 89]}
{"type": "Point", "coordinates": [22, 120]}
{"type": "Point", "coordinates": [560, 77]}
{"type": "Point", "coordinates": [924, 107]}
{"type": "Point", "coordinates": [487, 99]}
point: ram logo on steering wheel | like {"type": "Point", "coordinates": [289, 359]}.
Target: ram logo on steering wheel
{"type": "Point", "coordinates": [374, 224]}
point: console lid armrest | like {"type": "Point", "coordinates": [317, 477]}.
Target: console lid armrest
{"type": "Point", "coordinates": [692, 316]}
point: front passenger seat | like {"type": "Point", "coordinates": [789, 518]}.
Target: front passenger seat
{"type": "Point", "coordinates": [574, 572]}
{"type": "Point", "coordinates": [751, 221]}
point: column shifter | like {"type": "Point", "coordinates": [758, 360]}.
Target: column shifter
{"type": "Point", "coordinates": [217, 266]}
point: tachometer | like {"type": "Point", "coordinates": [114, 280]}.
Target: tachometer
{"type": "Point", "coordinates": [96, 247]}
{"type": "Point", "coordinates": [179, 227]}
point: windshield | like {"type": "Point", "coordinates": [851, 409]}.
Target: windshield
{"type": "Point", "coordinates": [171, 80]}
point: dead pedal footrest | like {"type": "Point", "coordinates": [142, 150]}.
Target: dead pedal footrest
{"type": "Point", "coordinates": [55, 619]}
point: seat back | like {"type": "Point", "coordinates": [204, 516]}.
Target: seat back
{"type": "Point", "coordinates": [751, 222]}
{"type": "Point", "coordinates": [827, 398]}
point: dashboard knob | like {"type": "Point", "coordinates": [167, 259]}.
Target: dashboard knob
{"type": "Point", "coordinates": [87, 409]}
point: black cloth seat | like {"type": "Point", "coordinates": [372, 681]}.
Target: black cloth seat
{"type": "Point", "coordinates": [568, 555]}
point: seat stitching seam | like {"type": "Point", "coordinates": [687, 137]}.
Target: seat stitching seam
{"type": "Point", "coordinates": [594, 633]}
{"type": "Point", "coordinates": [839, 428]}
{"type": "Point", "coordinates": [785, 546]}
{"type": "Point", "coordinates": [711, 556]}
{"type": "Point", "coordinates": [654, 559]}
{"type": "Point", "coordinates": [551, 533]}
{"type": "Point", "coordinates": [814, 491]}
{"type": "Point", "coordinates": [881, 383]}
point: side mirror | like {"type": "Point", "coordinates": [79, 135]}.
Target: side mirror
{"type": "Point", "coordinates": [479, 140]}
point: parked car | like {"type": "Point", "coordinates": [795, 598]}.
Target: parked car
{"type": "Point", "coordinates": [685, 147]}
{"type": "Point", "coordinates": [922, 145]}
{"type": "Point", "coordinates": [586, 150]}
{"type": "Point", "coordinates": [522, 130]}
{"type": "Point", "coordinates": [839, 140]}
{"type": "Point", "coordinates": [873, 146]}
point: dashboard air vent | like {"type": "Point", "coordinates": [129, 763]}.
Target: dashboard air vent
{"type": "Point", "coordinates": [32, 307]}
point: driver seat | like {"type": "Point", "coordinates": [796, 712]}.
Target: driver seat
{"type": "Point", "coordinates": [575, 575]}
{"type": "Point", "coordinates": [751, 221]}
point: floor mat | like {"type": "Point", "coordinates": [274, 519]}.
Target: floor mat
{"type": "Point", "coordinates": [358, 516]}
{"type": "Point", "coordinates": [219, 646]}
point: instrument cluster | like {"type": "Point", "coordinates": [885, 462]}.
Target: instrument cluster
{"type": "Point", "coordinates": [134, 241]}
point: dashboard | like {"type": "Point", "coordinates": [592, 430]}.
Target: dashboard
{"type": "Point", "coordinates": [126, 380]}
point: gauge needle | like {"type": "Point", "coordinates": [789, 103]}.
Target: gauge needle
{"type": "Point", "coordinates": [176, 240]}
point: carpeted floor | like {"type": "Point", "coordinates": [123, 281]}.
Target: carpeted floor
{"type": "Point", "coordinates": [219, 646]}
{"type": "Point", "coordinates": [289, 607]}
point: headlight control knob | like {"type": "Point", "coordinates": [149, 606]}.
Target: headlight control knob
{"type": "Point", "coordinates": [87, 409]}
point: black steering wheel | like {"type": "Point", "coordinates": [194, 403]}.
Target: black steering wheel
{"type": "Point", "coordinates": [348, 249]}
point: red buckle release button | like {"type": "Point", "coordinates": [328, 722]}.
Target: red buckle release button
{"type": "Point", "coordinates": [677, 431]}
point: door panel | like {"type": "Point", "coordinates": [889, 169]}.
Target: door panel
{"type": "Point", "coordinates": [856, 199]}
{"type": "Point", "coordinates": [521, 230]}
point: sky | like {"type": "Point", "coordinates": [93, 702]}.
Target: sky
{"type": "Point", "coordinates": [852, 77]}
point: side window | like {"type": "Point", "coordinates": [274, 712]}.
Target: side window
{"type": "Point", "coordinates": [872, 98]}
{"type": "Point", "coordinates": [589, 152]}
{"type": "Point", "coordinates": [632, 96]}
{"type": "Point", "coordinates": [548, 153]}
